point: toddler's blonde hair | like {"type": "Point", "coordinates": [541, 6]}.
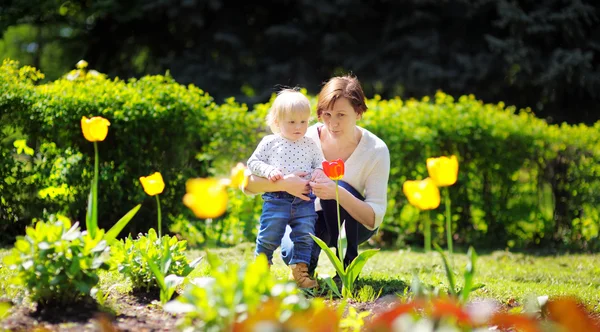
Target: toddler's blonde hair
{"type": "Point", "coordinates": [287, 101]}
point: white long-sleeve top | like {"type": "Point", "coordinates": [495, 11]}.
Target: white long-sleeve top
{"type": "Point", "coordinates": [277, 152]}
{"type": "Point", "coordinates": [367, 170]}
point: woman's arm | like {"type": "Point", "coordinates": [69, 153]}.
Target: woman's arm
{"type": "Point", "coordinates": [359, 210]}
{"type": "Point", "coordinates": [291, 183]}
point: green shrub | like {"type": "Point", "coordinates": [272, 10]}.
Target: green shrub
{"type": "Point", "coordinates": [517, 174]}
{"type": "Point", "coordinates": [156, 125]}
{"type": "Point", "coordinates": [522, 182]}
{"type": "Point", "coordinates": [127, 255]}
{"type": "Point", "coordinates": [232, 293]}
{"type": "Point", "coordinates": [56, 262]}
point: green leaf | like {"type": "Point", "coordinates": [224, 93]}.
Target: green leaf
{"type": "Point", "coordinates": [469, 273]}
{"type": "Point", "coordinates": [160, 278]}
{"type": "Point", "coordinates": [332, 285]}
{"type": "Point", "coordinates": [335, 261]}
{"type": "Point", "coordinates": [449, 272]}
{"type": "Point", "coordinates": [356, 266]}
{"type": "Point", "coordinates": [114, 231]}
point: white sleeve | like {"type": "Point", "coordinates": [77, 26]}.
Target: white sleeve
{"type": "Point", "coordinates": [377, 184]}
{"type": "Point", "coordinates": [257, 162]}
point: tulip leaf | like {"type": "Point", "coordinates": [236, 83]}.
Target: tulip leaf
{"type": "Point", "coordinates": [358, 263]}
{"type": "Point", "coordinates": [449, 272]}
{"type": "Point", "coordinates": [331, 284]}
{"type": "Point", "coordinates": [469, 273]}
{"type": "Point", "coordinates": [114, 231]}
{"type": "Point", "coordinates": [335, 261]}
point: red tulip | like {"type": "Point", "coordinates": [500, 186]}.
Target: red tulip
{"type": "Point", "coordinates": [334, 169]}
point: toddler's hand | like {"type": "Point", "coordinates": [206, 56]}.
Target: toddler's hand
{"type": "Point", "coordinates": [275, 175]}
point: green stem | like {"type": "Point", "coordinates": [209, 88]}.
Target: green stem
{"type": "Point", "coordinates": [95, 193]}
{"type": "Point", "coordinates": [339, 243]}
{"type": "Point", "coordinates": [427, 231]}
{"type": "Point", "coordinates": [159, 217]}
{"type": "Point", "coordinates": [448, 220]}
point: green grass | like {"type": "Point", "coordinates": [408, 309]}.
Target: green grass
{"type": "Point", "coordinates": [507, 276]}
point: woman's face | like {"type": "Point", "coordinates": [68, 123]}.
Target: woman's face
{"type": "Point", "coordinates": [341, 119]}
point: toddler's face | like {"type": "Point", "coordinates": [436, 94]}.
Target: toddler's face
{"type": "Point", "coordinates": [293, 126]}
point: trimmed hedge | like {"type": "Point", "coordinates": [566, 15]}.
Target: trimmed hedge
{"type": "Point", "coordinates": [521, 182]}
{"type": "Point", "coordinates": [156, 125]}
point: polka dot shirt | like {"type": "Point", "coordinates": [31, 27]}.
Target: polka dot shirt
{"type": "Point", "coordinates": [277, 152]}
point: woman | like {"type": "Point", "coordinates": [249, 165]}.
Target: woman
{"type": "Point", "coordinates": [363, 190]}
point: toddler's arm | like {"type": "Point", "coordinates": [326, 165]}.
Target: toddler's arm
{"type": "Point", "coordinates": [256, 164]}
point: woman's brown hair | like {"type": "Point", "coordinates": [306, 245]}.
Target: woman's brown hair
{"type": "Point", "coordinates": [342, 87]}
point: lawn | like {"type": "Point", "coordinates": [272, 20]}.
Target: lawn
{"type": "Point", "coordinates": [509, 278]}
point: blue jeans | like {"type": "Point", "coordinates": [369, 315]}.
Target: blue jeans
{"type": "Point", "coordinates": [281, 210]}
{"type": "Point", "coordinates": [326, 229]}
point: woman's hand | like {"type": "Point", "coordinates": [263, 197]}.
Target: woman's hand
{"type": "Point", "coordinates": [296, 185]}
{"type": "Point", "coordinates": [318, 176]}
{"type": "Point", "coordinates": [323, 187]}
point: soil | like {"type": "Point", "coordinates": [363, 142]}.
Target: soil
{"type": "Point", "coordinates": [135, 312]}
{"type": "Point", "coordinates": [131, 312]}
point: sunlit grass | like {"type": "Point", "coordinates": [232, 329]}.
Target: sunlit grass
{"type": "Point", "coordinates": [508, 277]}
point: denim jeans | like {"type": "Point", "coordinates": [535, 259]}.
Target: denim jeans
{"type": "Point", "coordinates": [280, 211]}
{"type": "Point", "coordinates": [326, 229]}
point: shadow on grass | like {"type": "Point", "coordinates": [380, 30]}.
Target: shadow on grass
{"type": "Point", "coordinates": [387, 287]}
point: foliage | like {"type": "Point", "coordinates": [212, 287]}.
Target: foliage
{"type": "Point", "coordinates": [543, 190]}
{"type": "Point", "coordinates": [347, 274]}
{"type": "Point", "coordinates": [539, 54]}
{"type": "Point", "coordinates": [167, 283]}
{"type": "Point", "coordinates": [512, 189]}
{"type": "Point", "coordinates": [132, 257]}
{"type": "Point", "coordinates": [56, 262]}
{"type": "Point", "coordinates": [431, 311]}
{"type": "Point", "coordinates": [135, 144]}
{"type": "Point", "coordinates": [240, 295]}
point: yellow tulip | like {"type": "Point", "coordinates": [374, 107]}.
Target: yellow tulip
{"type": "Point", "coordinates": [94, 129]}
{"type": "Point", "coordinates": [153, 184]}
{"type": "Point", "coordinates": [443, 170]}
{"type": "Point", "coordinates": [423, 194]}
{"type": "Point", "coordinates": [206, 197]}
{"type": "Point", "coordinates": [239, 178]}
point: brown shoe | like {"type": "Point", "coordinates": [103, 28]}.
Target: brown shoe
{"type": "Point", "coordinates": [300, 274]}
